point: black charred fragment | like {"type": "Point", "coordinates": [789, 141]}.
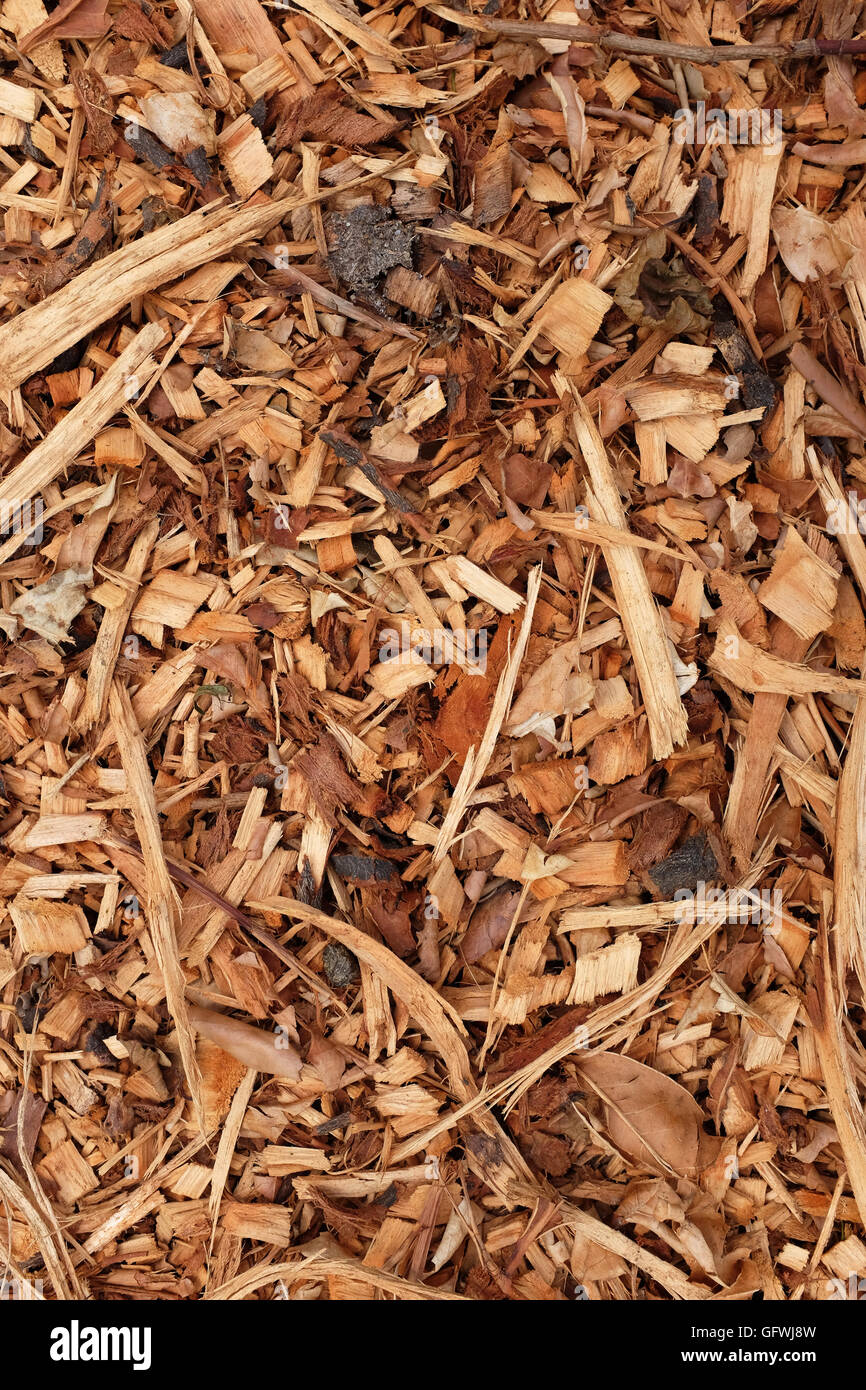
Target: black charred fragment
{"type": "Point", "coordinates": [364, 243]}
{"type": "Point", "coordinates": [197, 163]}
{"type": "Point", "coordinates": [258, 113]}
{"type": "Point", "coordinates": [68, 360]}
{"type": "Point", "coordinates": [27, 146]}
{"type": "Point", "coordinates": [335, 1123]}
{"type": "Point", "coordinates": [146, 146]}
{"type": "Point", "coordinates": [388, 1197]}
{"type": "Point", "coordinates": [95, 1042]}
{"type": "Point", "coordinates": [351, 454]}
{"type": "Point", "coordinates": [693, 863]}
{"type": "Point", "coordinates": [344, 449]}
{"type": "Point", "coordinates": [757, 389]}
{"type": "Point", "coordinates": [391, 497]}
{"type": "Point", "coordinates": [176, 57]}
{"type": "Point", "coordinates": [361, 868]}
{"type": "Point", "coordinates": [28, 1009]}
{"type": "Point", "coordinates": [365, 424]}
{"type": "Point", "coordinates": [341, 967]}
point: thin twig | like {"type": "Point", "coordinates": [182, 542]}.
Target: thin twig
{"type": "Point", "coordinates": [654, 48]}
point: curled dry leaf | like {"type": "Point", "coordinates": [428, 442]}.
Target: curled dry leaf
{"type": "Point", "coordinates": [650, 1118]}
{"type": "Point", "coordinates": [15, 1126]}
{"type": "Point", "coordinates": [574, 114]}
{"type": "Point", "coordinates": [557, 687]}
{"type": "Point", "coordinates": [490, 923]}
{"type": "Point", "coordinates": [327, 1061]}
{"type": "Point", "coordinates": [653, 1205]}
{"type": "Point", "coordinates": [590, 1263]}
{"type": "Point", "coordinates": [526, 479]}
{"type": "Point", "coordinates": [806, 243]}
